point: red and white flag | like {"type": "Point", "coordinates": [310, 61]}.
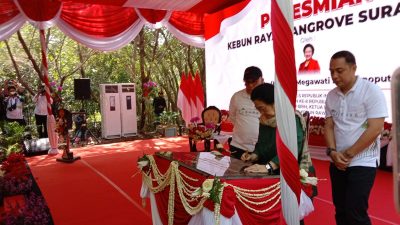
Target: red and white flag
{"type": "Point", "coordinates": [199, 94]}
{"type": "Point", "coordinates": [183, 101]}
{"type": "Point", "coordinates": [192, 89]}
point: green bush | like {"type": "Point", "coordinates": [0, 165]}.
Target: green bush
{"type": "Point", "coordinates": [11, 141]}
{"type": "Point", "coordinates": [168, 118]}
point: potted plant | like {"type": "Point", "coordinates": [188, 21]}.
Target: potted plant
{"type": "Point", "coordinates": [167, 123]}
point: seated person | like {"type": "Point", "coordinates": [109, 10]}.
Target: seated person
{"type": "Point", "coordinates": [265, 153]}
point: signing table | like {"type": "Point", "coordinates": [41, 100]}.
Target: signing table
{"type": "Point", "coordinates": [201, 188]}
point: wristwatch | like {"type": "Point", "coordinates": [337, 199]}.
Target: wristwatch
{"type": "Point", "coordinates": [269, 168]}
{"type": "Point", "coordinates": [329, 151]}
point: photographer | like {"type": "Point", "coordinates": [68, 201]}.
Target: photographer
{"type": "Point", "coordinates": [14, 106]}
{"type": "Point", "coordinates": [80, 128]}
{"type": "Point", "coordinates": [41, 112]}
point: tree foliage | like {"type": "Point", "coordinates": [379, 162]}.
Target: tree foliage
{"type": "Point", "coordinates": [154, 55]}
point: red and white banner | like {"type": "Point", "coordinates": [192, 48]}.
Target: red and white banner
{"type": "Point", "coordinates": [108, 25]}
{"type": "Point", "coordinates": [241, 36]}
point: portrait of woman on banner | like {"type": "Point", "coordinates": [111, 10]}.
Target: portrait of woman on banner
{"type": "Point", "coordinates": [310, 65]}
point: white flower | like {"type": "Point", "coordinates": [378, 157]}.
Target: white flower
{"type": "Point", "coordinates": [303, 173]}
{"type": "Point", "coordinates": [142, 164]}
{"type": "Point", "coordinates": [207, 185]}
{"type": "Point", "coordinates": [205, 194]}
{"type": "Point", "coordinates": [196, 192]}
{"type": "Point", "coordinates": [311, 180]}
{"type": "Point", "coordinates": [304, 178]}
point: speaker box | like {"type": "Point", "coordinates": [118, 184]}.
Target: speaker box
{"type": "Point", "coordinates": [35, 146]}
{"type": "Point", "coordinates": [82, 89]}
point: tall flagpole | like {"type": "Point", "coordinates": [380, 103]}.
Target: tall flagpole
{"type": "Point", "coordinates": [285, 104]}
{"type": "Point", "coordinates": [51, 122]}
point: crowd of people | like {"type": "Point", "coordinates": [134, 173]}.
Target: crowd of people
{"type": "Point", "coordinates": [355, 112]}
{"type": "Point", "coordinates": [13, 107]}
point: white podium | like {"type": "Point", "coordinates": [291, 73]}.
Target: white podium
{"type": "Point", "coordinates": [110, 111]}
{"type": "Point", "coordinates": [128, 109]}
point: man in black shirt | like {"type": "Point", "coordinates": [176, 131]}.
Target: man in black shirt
{"type": "Point", "coordinates": [159, 104]}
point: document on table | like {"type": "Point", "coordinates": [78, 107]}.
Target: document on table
{"type": "Point", "coordinates": [209, 163]}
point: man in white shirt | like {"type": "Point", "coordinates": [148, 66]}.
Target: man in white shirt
{"type": "Point", "coordinates": [244, 115]}
{"type": "Point", "coordinates": [355, 113]}
{"type": "Point", "coordinates": [14, 107]}
{"type": "Point", "coordinates": [41, 112]}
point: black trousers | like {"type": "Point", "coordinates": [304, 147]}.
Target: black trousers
{"type": "Point", "coordinates": [41, 125]}
{"type": "Point", "coordinates": [350, 192]}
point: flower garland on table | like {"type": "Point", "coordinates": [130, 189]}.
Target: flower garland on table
{"type": "Point", "coordinates": [171, 177]}
{"type": "Point", "coordinates": [249, 196]}
{"type": "Point", "coordinates": [211, 189]}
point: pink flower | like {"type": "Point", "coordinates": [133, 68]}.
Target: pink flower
{"type": "Point", "coordinates": [210, 126]}
{"type": "Point", "coordinates": [150, 84]}
{"type": "Point", "coordinates": [59, 88]}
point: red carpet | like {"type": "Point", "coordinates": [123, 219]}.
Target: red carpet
{"type": "Point", "coordinates": [99, 188]}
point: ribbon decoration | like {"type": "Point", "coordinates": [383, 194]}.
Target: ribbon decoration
{"type": "Point", "coordinates": [285, 103]}
{"type": "Point", "coordinates": [51, 122]}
